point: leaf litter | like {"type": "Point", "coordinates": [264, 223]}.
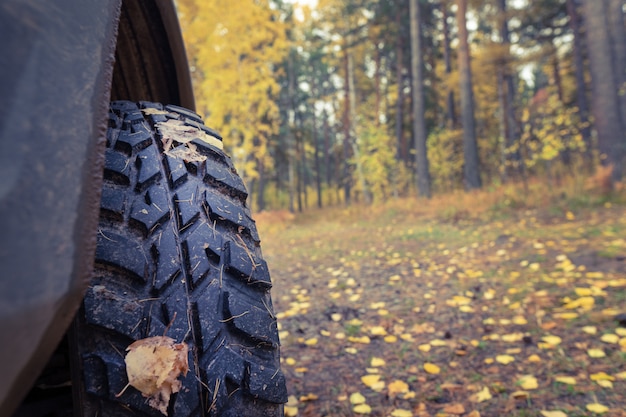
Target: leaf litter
{"type": "Point", "coordinates": [493, 317]}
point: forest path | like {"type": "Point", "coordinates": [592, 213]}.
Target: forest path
{"type": "Point", "coordinates": [448, 313]}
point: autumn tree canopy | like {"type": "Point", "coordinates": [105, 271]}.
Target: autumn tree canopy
{"type": "Point", "coordinates": [331, 97]}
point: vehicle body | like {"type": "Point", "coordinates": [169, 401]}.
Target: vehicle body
{"type": "Point", "coordinates": [62, 62]}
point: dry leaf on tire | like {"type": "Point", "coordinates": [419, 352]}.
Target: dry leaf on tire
{"type": "Point", "coordinates": [153, 366]}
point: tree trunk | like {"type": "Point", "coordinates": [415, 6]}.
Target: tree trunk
{"type": "Point", "coordinates": [508, 109]}
{"type": "Point", "coordinates": [367, 198]}
{"type": "Point", "coordinates": [400, 99]}
{"type": "Point", "coordinates": [419, 122]}
{"type": "Point", "coordinates": [260, 197]}
{"type": "Point", "coordinates": [581, 88]}
{"type": "Point", "coordinates": [556, 73]}
{"type": "Point", "coordinates": [347, 177]}
{"type": "Point", "coordinates": [447, 57]}
{"type": "Point", "coordinates": [328, 171]}
{"type": "Point", "coordinates": [504, 160]}
{"type": "Point", "coordinates": [377, 84]}
{"type": "Point", "coordinates": [290, 135]}
{"type": "Point", "coordinates": [318, 168]}
{"type": "Point", "coordinates": [470, 148]}
{"type": "Point", "coordinates": [618, 42]}
{"type": "Point", "coordinates": [605, 100]}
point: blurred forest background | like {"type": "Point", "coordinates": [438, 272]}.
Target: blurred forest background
{"type": "Point", "coordinates": [329, 102]}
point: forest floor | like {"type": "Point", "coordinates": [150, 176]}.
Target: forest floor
{"type": "Point", "coordinates": [480, 304]}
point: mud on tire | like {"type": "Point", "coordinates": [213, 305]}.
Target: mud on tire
{"type": "Point", "coordinates": [176, 244]}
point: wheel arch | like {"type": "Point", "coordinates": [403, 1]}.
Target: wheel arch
{"type": "Point", "coordinates": [151, 62]}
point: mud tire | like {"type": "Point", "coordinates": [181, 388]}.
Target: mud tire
{"type": "Point", "coordinates": [176, 243]}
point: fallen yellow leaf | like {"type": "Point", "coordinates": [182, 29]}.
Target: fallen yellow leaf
{"type": "Point", "coordinates": [534, 358]}
{"type": "Point", "coordinates": [597, 408]}
{"type": "Point", "coordinates": [604, 383]}
{"type": "Point", "coordinates": [557, 413]}
{"type": "Point", "coordinates": [586, 303]}
{"type": "Point", "coordinates": [311, 342]}
{"type": "Point", "coordinates": [504, 359]}
{"type": "Point", "coordinates": [376, 362]}
{"type": "Point", "coordinates": [565, 379]}
{"type": "Point", "coordinates": [610, 338]}
{"type": "Point", "coordinates": [528, 382]}
{"type": "Point", "coordinates": [590, 329]}
{"type": "Point", "coordinates": [309, 397]}
{"type": "Point", "coordinates": [397, 387]}
{"type": "Point", "coordinates": [596, 353]}
{"type": "Point", "coordinates": [566, 316]}
{"type": "Point", "coordinates": [391, 338]}
{"type": "Point", "coordinates": [153, 366]}
{"type": "Point", "coordinates": [512, 337]}
{"type": "Point", "coordinates": [581, 292]}
{"type": "Point", "coordinates": [362, 409]}
{"type": "Point", "coordinates": [357, 398]}
{"type": "Point", "coordinates": [362, 340]}
{"type": "Point", "coordinates": [378, 331]}
{"type": "Point", "coordinates": [370, 380]}
{"type": "Point", "coordinates": [291, 411]}
{"type": "Point", "coordinates": [399, 412]}
{"type": "Point", "coordinates": [520, 394]}
{"type": "Point", "coordinates": [552, 340]}
{"type": "Point", "coordinates": [425, 347]}
{"type": "Point", "coordinates": [481, 396]}
{"type": "Point", "coordinates": [431, 368]}
{"type": "Point", "coordinates": [601, 376]}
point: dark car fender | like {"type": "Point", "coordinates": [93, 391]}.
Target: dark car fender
{"type": "Point", "coordinates": [57, 64]}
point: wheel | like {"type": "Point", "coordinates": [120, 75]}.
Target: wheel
{"type": "Point", "coordinates": [178, 255]}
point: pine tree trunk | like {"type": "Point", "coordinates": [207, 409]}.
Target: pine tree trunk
{"type": "Point", "coordinates": [327, 168]}
{"type": "Point", "coordinates": [618, 42]}
{"type": "Point", "coordinates": [419, 122]}
{"type": "Point", "coordinates": [347, 177]}
{"type": "Point", "coordinates": [447, 58]}
{"type": "Point", "coordinates": [508, 109]}
{"type": "Point", "coordinates": [400, 99]}
{"type": "Point", "coordinates": [290, 130]}
{"type": "Point", "coordinates": [470, 148]}
{"type": "Point", "coordinates": [605, 100]}
{"type": "Point", "coordinates": [367, 198]}
{"type": "Point", "coordinates": [581, 88]}
{"type": "Point", "coordinates": [318, 167]}
{"type": "Point", "coordinates": [504, 160]}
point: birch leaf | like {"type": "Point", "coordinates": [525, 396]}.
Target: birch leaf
{"type": "Point", "coordinates": [153, 366]}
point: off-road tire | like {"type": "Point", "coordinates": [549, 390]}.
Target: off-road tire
{"type": "Point", "coordinates": [176, 243]}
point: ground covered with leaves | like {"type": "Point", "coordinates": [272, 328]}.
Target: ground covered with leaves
{"type": "Point", "coordinates": [475, 308]}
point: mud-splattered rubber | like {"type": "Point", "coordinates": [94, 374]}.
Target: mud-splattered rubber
{"type": "Point", "coordinates": [176, 242]}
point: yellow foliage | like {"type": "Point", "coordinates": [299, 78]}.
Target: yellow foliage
{"type": "Point", "coordinates": [234, 47]}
